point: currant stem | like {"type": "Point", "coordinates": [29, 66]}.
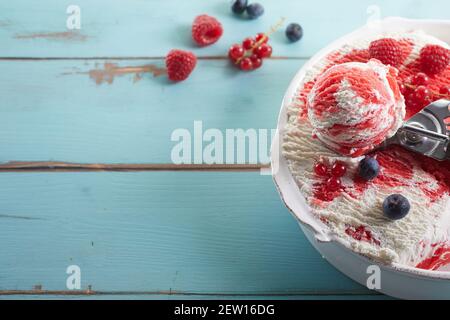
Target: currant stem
{"type": "Point", "coordinates": [272, 29]}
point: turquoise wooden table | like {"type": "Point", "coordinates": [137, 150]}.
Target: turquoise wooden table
{"type": "Point", "coordinates": [87, 178]}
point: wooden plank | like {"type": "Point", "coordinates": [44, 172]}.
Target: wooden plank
{"type": "Point", "coordinates": [152, 28]}
{"type": "Point", "coordinates": [76, 116]}
{"type": "Point", "coordinates": [39, 166]}
{"type": "Point", "coordinates": [193, 297]}
{"type": "Point", "coordinates": [202, 232]}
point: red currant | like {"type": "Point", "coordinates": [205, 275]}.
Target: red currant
{"type": "Point", "coordinates": [246, 64]}
{"type": "Point", "coordinates": [263, 51]}
{"type": "Point", "coordinates": [334, 183]}
{"type": "Point", "coordinates": [261, 38]}
{"type": "Point", "coordinates": [444, 91]}
{"type": "Point", "coordinates": [421, 93]}
{"type": "Point", "coordinates": [248, 43]}
{"type": "Point", "coordinates": [420, 79]}
{"type": "Point", "coordinates": [338, 169]}
{"type": "Point", "coordinates": [256, 61]}
{"type": "Point", "coordinates": [402, 88]}
{"type": "Point", "coordinates": [321, 169]}
{"type": "Point", "coordinates": [236, 51]}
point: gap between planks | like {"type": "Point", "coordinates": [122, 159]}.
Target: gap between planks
{"type": "Point", "coordinates": [133, 58]}
{"type": "Point", "coordinates": [55, 166]}
{"type": "Point", "coordinates": [90, 292]}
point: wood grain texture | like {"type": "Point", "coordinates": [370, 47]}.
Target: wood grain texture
{"type": "Point", "coordinates": [72, 116]}
{"type": "Point", "coordinates": [49, 166]}
{"type": "Point", "coordinates": [195, 232]}
{"type": "Point", "coordinates": [153, 27]}
{"type": "Point", "coordinates": [97, 100]}
{"type": "Point", "coordinates": [144, 296]}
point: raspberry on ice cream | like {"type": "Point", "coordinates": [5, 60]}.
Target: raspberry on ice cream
{"type": "Point", "coordinates": [355, 106]}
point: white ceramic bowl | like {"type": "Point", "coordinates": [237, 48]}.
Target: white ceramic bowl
{"type": "Point", "coordinates": [397, 280]}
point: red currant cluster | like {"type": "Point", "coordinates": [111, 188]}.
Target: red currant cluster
{"type": "Point", "coordinates": [417, 94]}
{"type": "Point", "coordinates": [250, 54]}
{"type": "Point", "coordinates": [332, 174]}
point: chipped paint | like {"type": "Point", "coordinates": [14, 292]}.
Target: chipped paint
{"type": "Point", "coordinates": [60, 36]}
{"type": "Point", "coordinates": [109, 71]}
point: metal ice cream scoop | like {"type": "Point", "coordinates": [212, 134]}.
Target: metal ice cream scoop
{"type": "Point", "coordinates": [427, 132]}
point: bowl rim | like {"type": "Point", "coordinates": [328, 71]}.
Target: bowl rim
{"type": "Point", "coordinates": [282, 176]}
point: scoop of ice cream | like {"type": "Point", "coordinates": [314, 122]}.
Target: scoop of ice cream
{"type": "Point", "coordinates": [354, 106]}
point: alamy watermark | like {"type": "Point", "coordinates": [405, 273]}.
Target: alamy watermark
{"type": "Point", "coordinates": [73, 281]}
{"type": "Point", "coordinates": [373, 281]}
{"type": "Point", "coordinates": [201, 145]}
{"type": "Point", "coordinates": [73, 21]}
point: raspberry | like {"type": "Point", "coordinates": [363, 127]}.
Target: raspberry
{"type": "Point", "coordinates": [387, 50]}
{"type": "Point", "coordinates": [445, 91]}
{"type": "Point", "coordinates": [402, 88]}
{"type": "Point", "coordinates": [434, 59]}
{"type": "Point", "coordinates": [206, 30]}
{"type": "Point", "coordinates": [420, 79]}
{"type": "Point", "coordinates": [421, 93]}
{"type": "Point", "coordinates": [180, 64]}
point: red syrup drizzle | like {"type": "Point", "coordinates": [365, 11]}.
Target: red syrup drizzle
{"type": "Point", "coordinates": [328, 185]}
{"type": "Point", "coordinates": [396, 163]}
{"type": "Point", "coordinates": [324, 192]}
{"type": "Point", "coordinates": [362, 234]}
{"type": "Point", "coordinates": [302, 98]}
{"type": "Point", "coordinates": [440, 258]}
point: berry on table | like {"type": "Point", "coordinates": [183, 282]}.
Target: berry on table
{"type": "Point", "coordinates": [434, 59]}
{"type": "Point", "coordinates": [239, 6]}
{"type": "Point", "coordinates": [387, 50]}
{"type": "Point", "coordinates": [248, 43]}
{"type": "Point", "coordinates": [261, 38]}
{"type": "Point", "coordinates": [253, 50]}
{"type": "Point", "coordinates": [263, 51]}
{"type": "Point", "coordinates": [256, 61]}
{"type": "Point", "coordinates": [294, 32]}
{"type": "Point", "coordinates": [368, 168]}
{"type": "Point", "coordinates": [235, 52]}
{"type": "Point", "coordinates": [255, 10]}
{"type": "Point", "coordinates": [180, 64]}
{"type": "Point", "coordinates": [321, 169]}
{"type": "Point", "coordinates": [206, 30]}
{"type": "Point", "coordinates": [338, 169]}
{"type": "Point", "coordinates": [396, 206]}
{"type": "Point", "coordinates": [420, 79]}
{"type": "Point", "coordinates": [246, 64]}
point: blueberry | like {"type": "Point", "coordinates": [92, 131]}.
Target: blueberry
{"type": "Point", "coordinates": [368, 168]}
{"type": "Point", "coordinates": [396, 206]}
{"type": "Point", "coordinates": [255, 10]}
{"type": "Point", "coordinates": [294, 32]}
{"type": "Point", "coordinates": [239, 6]}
